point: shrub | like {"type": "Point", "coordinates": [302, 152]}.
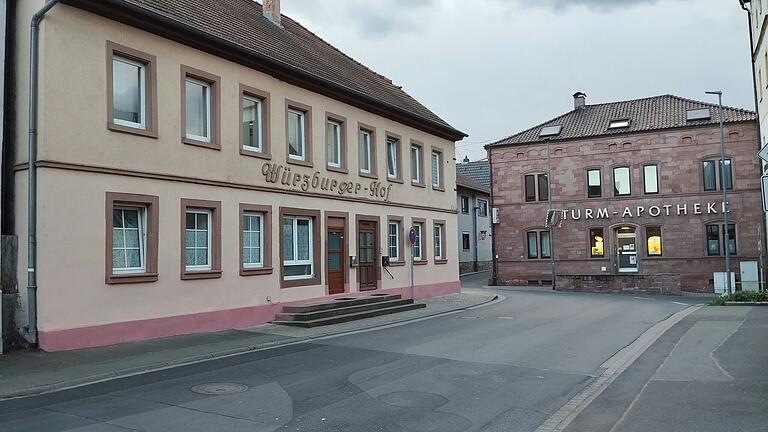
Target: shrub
{"type": "Point", "coordinates": [741, 296]}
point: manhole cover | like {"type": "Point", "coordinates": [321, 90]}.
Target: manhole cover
{"type": "Point", "coordinates": [219, 388]}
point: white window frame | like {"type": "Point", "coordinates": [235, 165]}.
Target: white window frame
{"type": "Point", "coordinates": [142, 91]}
{"type": "Point", "coordinates": [417, 244]}
{"type": "Point", "coordinates": [260, 216]}
{"type": "Point", "coordinates": [208, 89]}
{"type": "Point", "coordinates": [302, 135]}
{"type": "Point", "coordinates": [295, 261]}
{"type": "Point", "coordinates": [209, 214]}
{"type": "Point", "coordinates": [392, 156]}
{"type": "Point", "coordinates": [142, 214]}
{"type": "Point", "coordinates": [396, 245]}
{"type": "Point", "coordinates": [336, 128]}
{"type": "Point", "coordinates": [435, 165]}
{"type": "Point", "coordinates": [366, 139]}
{"type": "Point", "coordinates": [416, 162]}
{"type": "Point", "coordinates": [437, 232]}
{"type": "Point", "coordinates": [260, 124]}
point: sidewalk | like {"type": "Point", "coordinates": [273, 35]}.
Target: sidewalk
{"type": "Point", "coordinates": [35, 372]}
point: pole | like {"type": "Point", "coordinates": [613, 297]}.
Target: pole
{"type": "Point", "coordinates": [724, 187]}
{"type": "Point", "coordinates": [551, 228]}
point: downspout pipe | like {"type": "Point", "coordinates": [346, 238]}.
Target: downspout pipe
{"type": "Point", "coordinates": [30, 331]}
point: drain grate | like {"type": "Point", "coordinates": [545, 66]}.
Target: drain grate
{"type": "Point", "coordinates": [219, 388]}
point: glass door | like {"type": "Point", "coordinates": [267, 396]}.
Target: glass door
{"type": "Point", "coordinates": [626, 250]}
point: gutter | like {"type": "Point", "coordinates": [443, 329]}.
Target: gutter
{"type": "Point", "coordinates": [30, 331]}
{"type": "Point", "coordinates": [164, 26]}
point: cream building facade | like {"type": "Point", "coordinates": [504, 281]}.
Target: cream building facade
{"type": "Point", "coordinates": [185, 188]}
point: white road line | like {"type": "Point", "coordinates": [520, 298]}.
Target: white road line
{"type": "Point", "coordinates": [681, 304]}
{"type": "Point", "coordinates": [615, 366]}
{"type": "Point", "coordinates": [641, 298]}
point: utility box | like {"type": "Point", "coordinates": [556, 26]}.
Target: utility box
{"type": "Point", "coordinates": [750, 280]}
{"type": "Point", "coordinates": [720, 287]}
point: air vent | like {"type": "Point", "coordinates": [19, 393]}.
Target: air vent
{"type": "Point", "coordinates": [698, 114]}
{"type": "Point", "coordinates": [550, 131]}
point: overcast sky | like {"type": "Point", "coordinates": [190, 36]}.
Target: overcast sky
{"type": "Point", "coordinates": [495, 67]}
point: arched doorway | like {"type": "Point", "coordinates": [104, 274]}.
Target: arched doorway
{"type": "Point", "coordinates": [626, 249]}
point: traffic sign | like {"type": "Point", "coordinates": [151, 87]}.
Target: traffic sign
{"type": "Point", "coordinates": [764, 183]}
{"type": "Point", "coordinates": [412, 236]}
{"type": "Point", "coordinates": [763, 153]}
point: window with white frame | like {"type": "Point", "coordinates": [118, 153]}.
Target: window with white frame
{"type": "Point", "coordinates": [366, 156]}
{"type": "Point", "coordinates": [333, 142]}
{"type": "Point", "coordinates": [253, 240]}
{"type": "Point", "coordinates": [437, 180]}
{"type": "Point", "coordinates": [438, 242]}
{"type": "Point", "coordinates": [198, 239]}
{"type": "Point", "coordinates": [482, 208]}
{"type": "Point", "coordinates": [415, 164]}
{"type": "Point", "coordinates": [297, 248]}
{"type": "Point", "coordinates": [417, 255]}
{"type": "Point", "coordinates": [393, 147]}
{"type": "Point", "coordinates": [394, 240]}
{"type": "Point", "coordinates": [198, 114]}
{"type": "Point", "coordinates": [129, 90]}
{"type": "Point", "coordinates": [253, 127]}
{"type": "Point", "coordinates": [297, 146]}
{"type": "Point", "coordinates": [129, 226]}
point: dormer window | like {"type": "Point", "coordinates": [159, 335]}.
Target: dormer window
{"type": "Point", "coordinates": [549, 131]}
{"type": "Point", "coordinates": [698, 114]}
{"type": "Point", "coordinates": [618, 124]}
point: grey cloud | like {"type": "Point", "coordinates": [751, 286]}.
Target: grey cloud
{"type": "Point", "coordinates": [597, 5]}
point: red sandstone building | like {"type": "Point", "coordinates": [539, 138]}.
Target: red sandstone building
{"type": "Point", "coordinates": [640, 192]}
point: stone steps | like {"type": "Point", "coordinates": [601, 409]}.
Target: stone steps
{"type": "Point", "coordinates": [343, 310]}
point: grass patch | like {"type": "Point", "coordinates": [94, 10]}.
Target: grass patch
{"type": "Point", "coordinates": [741, 296]}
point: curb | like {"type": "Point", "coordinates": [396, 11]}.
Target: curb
{"type": "Point", "coordinates": [746, 303]}
{"type": "Point", "coordinates": [201, 358]}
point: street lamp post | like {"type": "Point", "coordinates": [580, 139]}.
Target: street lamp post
{"type": "Point", "coordinates": [724, 187]}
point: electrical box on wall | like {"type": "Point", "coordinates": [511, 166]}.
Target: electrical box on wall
{"type": "Point", "coordinates": [353, 261]}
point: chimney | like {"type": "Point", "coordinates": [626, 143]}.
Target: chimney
{"type": "Point", "coordinates": [579, 100]}
{"type": "Point", "coordinates": [272, 11]}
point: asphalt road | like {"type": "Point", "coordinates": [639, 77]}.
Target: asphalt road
{"type": "Point", "coordinates": [504, 367]}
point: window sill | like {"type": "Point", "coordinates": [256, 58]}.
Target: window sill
{"type": "Point", "coordinates": [213, 145]}
{"type": "Point", "coordinates": [397, 263]}
{"type": "Point", "coordinates": [255, 154]}
{"type": "Point", "coordinates": [256, 271]}
{"type": "Point", "coordinates": [341, 170]}
{"type": "Point", "coordinates": [373, 176]}
{"type": "Point", "coordinates": [441, 261]}
{"type": "Point", "coordinates": [210, 274]}
{"type": "Point", "coordinates": [438, 188]}
{"type": "Point", "coordinates": [420, 262]}
{"type": "Point", "coordinates": [299, 162]}
{"type": "Point", "coordinates": [394, 180]}
{"type": "Point", "coordinates": [149, 133]}
{"type": "Point", "coordinates": [421, 185]}
{"type": "Point", "coordinates": [129, 278]}
{"type": "Point", "coordinates": [295, 283]}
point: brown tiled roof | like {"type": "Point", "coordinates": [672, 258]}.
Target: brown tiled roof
{"type": "Point", "coordinates": [463, 181]}
{"type": "Point", "coordinates": [480, 171]}
{"type": "Point", "coordinates": [241, 23]}
{"type": "Point", "coordinates": [659, 112]}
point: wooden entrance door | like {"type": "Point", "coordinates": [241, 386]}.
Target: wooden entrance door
{"type": "Point", "coordinates": [335, 260]}
{"type": "Point", "coordinates": [367, 245]}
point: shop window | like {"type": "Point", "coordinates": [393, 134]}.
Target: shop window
{"type": "Point", "coordinates": [536, 187]}
{"type": "Point", "coordinates": [653, 241]}
{"type": "Point", "coordinates": [594, 183]}
{"type": "Point", "coordinates": [651, 179]}
{"type": "Point", "coordinates": [596, 243]}
{"type": "Point", "coordinates": [538, 245]}
{"type": "Point", "coordinates": [622, 181]}
{"type": "Point", "coordinates": [715, 246]}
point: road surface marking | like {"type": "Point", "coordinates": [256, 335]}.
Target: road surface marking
{"type": "Point", "coordinates": [681, 304]}
{"type": "Point", "coordinates": [641, 298]}
{"type": "Point", "coordinates": [614, 367]}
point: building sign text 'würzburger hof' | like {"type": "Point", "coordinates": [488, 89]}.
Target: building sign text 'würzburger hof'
{"type": "Point", "coordinates": [653, 211]}
{"type": "Point", "coordinates": [280, 174]}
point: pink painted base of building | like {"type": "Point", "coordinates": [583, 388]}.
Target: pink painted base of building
{"type": "Point", "coordinates": [205, 322]}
